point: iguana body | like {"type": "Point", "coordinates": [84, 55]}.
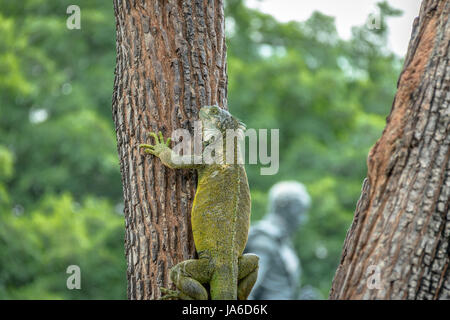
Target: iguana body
{"type": "Point", "coordinates": [220, 222]}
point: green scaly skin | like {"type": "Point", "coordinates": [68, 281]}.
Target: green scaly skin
{"type": "Point", "coordinates": [220, 223]}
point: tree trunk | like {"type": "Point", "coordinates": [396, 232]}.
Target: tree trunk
{"type": "Point", "coordinates": [398, 244]}
{"type": "Point", "coordinates": [171, 60]}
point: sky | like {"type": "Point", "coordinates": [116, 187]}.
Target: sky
{"type": "Point", "coordinates": [347, 13]}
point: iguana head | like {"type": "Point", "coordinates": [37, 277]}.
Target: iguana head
{"type": "Point", "coordinates": [217, 122]}
{"type": "Point", "coordinates": [213, 117]}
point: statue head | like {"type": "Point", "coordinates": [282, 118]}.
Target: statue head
{"type": "Point", "coordinates": [289, 203]}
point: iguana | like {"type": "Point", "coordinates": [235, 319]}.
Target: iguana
{"type": "Point", "coordinates": [220, 219]}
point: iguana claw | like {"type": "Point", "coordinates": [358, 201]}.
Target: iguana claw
{"type": "Point", "coordinates": [169, 294]}
{"type": "Point", "coordinates": [159, 145]}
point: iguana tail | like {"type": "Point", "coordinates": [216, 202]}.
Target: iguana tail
{"type": "Point", "coordinates": [223, 284]}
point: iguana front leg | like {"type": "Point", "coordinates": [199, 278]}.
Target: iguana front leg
{"type": "Point", "coordinates": [169, 158]}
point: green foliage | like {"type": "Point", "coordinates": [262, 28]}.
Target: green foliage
{"type": "Point", "coordinates": [57, 135]}
{"type": "Point", "coordinates": [59, 172]}
{"type": "Point", "coordinates": [38, 246]}
{"type": "Point", "coordinates": [6, 171]}
{"type": "Point", "coordinates": [329, 98]}
{"type": "Point", "coordinates": [55, 93]}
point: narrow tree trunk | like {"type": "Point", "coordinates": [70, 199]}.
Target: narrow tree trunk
{"type": "Point", "coordinates": [398, 244]}
{"type": "Point", "coordinates": [171, 60]}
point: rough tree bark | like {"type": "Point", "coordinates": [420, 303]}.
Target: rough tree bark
{"type": "Point", "coordinates": [398, 244]}
{"type": "Point", "coordinates": [171, 60]}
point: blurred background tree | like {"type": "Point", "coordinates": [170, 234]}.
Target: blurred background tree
{"type": "Point", "coordinates": [60, 187]}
